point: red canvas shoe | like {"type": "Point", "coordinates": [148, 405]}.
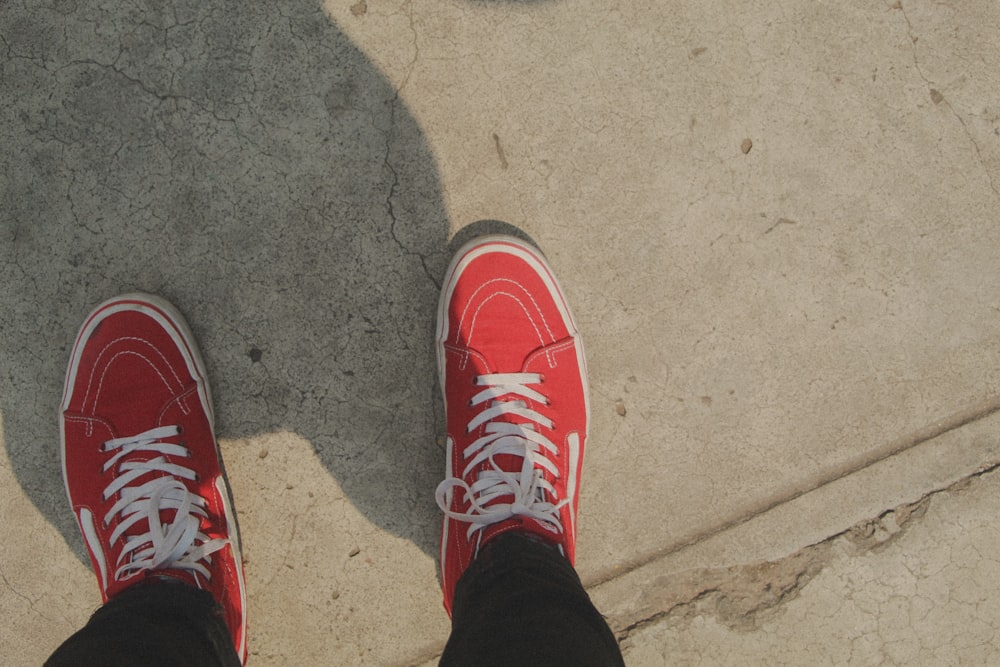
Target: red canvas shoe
{"type": "Point", "coordinates": [514, 381]}
{"type": "Point", "coordinates": [140, 459]}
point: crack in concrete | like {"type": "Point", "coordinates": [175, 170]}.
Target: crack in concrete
{"type": "Point", "coordinates": [392, 192]}
{"type": "Point", "coordinates": [737, 596]}
{"type": "Point", "coordinates": [31, 603]}
{"type": "Point", "coordinates": [416, 48]}
{"type": "Point", "coordinates": [397, 93]}
{"type": "Point", "coordinates": [939, 98]}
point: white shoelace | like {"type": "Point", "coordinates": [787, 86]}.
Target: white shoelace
{"type": "Point", "coordinates": [177, 545]}
{"type": "Point", "coordinates": [529, 492]}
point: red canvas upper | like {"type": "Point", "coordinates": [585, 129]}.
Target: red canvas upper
{"type": "Point", "coordinates": [502, 312]}
{"type": "Point", "coordinates": [135, 368]}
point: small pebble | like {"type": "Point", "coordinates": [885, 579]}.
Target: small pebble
{"type": "Point", "coordinates": [620, 408]}
{"type": "Point", "coordinates": [263, 453]}
{"type": "Point", "coordinates": [354, 552]}
{"type": "Point", "coordinates": [746, 146]}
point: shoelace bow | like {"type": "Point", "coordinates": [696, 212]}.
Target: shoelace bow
{"type": "Point", "coordinates": [177, 545]}
{"type": "Point", "coordinates": [527, 490]}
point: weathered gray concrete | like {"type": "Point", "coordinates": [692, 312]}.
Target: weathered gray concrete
{"type": "Point", "coordinates": [776, 222]}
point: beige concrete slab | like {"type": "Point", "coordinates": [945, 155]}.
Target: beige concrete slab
{"type": "Point", "coordinates": [776, 222]}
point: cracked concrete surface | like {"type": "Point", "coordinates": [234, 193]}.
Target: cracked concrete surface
{"type": "Point", "coordinates": [776, 222]}
{"type": "Point", "coordinates": [885, 592]}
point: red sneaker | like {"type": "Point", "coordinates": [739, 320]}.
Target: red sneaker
{"type": "Point", "coordinates": [140, 459]}
{"type": "Point", "coordinates": [514, 381]}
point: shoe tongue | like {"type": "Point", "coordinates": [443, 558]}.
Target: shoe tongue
{"type": "Point", "coordinates": [512, 464]}
{"type": "Point", "coordinates": [509, 463]}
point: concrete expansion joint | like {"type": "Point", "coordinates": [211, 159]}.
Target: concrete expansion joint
{"type": "Point", "coordinates": [742, 596]}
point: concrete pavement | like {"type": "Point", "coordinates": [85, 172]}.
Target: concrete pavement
{"type": "Point", "coordinates": [776, 223]}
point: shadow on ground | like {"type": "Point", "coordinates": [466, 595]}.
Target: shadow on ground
{"type": "Point", "coordinates": [248, 163]}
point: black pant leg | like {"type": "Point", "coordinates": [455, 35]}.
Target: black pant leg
{"type": "Point", "coordinates": [155, 624]}
{"type": "Point", "coordinates": [522, 603]}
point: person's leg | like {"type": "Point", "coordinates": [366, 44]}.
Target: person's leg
{"type": "Point", "coordinates": [156, 624]}
{"type": "Point", "coordinates": [521, 603]}
{"type": "Point", "coordinates": [513, 376]}
{"type": "Point", "coordinates": [143, 474]}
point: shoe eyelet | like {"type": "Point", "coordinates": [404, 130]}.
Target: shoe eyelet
{"type": "Point", "coordinates": [180, 430]}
